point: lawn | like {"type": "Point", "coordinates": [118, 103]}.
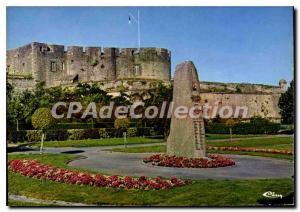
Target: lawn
{"type": "Point", "coordinates": [120, 141]}
{"type": "Point", "coordinates": [198, 193]}
{"type": "Point", "coordinates": [99, 142]}
{"type": "Point", "coordinates": [282, 143]}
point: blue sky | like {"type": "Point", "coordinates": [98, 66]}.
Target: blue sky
{"type": "Point", "coordinates": [227, 44]}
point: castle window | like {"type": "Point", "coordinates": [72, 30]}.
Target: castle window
{"type": "Point", "coordinates": [48, 49]}
{"type": "Point", "coordinates": [53, 66]}
{"type": "Point", "coordinates": [102, 66]}
{"type": "Point", "coordinates": [23, 64]}
{"type": "Point", "coordinates": [72, 61]}
{"type": "Point", "coordinates": [137, 70]}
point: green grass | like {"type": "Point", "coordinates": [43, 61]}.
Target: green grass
{"type": "Point", "coordinates": [226, 136]}
{"type": "Point", "coordinates": [270, 143]}
{"type": "Point", "coordinates": [199, 193]}
{"type": "Point", "coordinates": [99, 142]}
{"type": "Point", "coordinates": [282, 143]}
{"type": "Point", "coordinates": [120, 141]}
{"type": "Point", "coordinates": [14, 203]}
{"type": "Point", "coordinates": [142, 149]}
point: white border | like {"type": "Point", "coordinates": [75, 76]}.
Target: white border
{"type": "Point", "coordinates": [105, 3]}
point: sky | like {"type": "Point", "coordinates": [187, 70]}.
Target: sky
{"type": "Point", "coordinates": [226, 44]}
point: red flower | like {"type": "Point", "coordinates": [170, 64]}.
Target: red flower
{"type": "Point", "coordinates": [173, 161]}
{"type": "Point", "coordinates": [32, 168]}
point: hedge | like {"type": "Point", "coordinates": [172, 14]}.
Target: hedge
{"type": "Point", "coordinates": [132, 132]}
{"type": "Point", "coordinates": [74, 134]}
{"type": "Point", "coordinates": [243, 128]}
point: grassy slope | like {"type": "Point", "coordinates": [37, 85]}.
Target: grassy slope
{"type": "Point", "coordinates": [201, 192]}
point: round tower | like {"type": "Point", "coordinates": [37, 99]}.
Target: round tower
{"type": "Point", "coordinates": [282, 85]}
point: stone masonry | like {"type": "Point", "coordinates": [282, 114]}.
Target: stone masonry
{"type": "Point", "coordinates": [40, 62]}
{"type": "Point", "coordinates": [128, 68]}
{"type": "Point", "coordinates": [187, 135]}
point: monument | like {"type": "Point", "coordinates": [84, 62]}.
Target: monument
{"type": "Point", "coordinates": [187, 135]}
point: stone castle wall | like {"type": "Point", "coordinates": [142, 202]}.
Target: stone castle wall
{"type": "Point", "coordinates": [264, 105]}
{"type": "Point", "coordinates": [129, 69]}
{"type": "Point", "coordinates": [55, 66]}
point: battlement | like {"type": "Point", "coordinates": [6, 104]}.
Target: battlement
{"type": "Point", "coordinates": [58, 64]}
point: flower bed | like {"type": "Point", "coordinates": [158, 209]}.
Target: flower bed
{"type": "Point", "coordinates": [34, 169]}
{"type": "Point", "coordinates": [250, 149]}
{"type": "Point", "coordinates": [212, 161]}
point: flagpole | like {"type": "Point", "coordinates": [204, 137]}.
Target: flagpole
{"type": "Point", "coordinates": [139, 32]}
{"type": "Point", "coordinates": [137, 21]}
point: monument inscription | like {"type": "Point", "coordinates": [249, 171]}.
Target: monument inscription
{"type": "Point", "coordinates": [187, 135]}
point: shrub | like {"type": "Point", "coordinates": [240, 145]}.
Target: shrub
{"type": "Point", "coordinates": [42, 119]}
{"type": "Point", "coordinates": [79, 134]}
{"type": "Point", "coordinates": [34, 135]}
{"type": "Point", "coordinates": [16, 136]}
{"type": "Point", "coordinates": [121, 123]}
{"type": "Point", "coordinates": [57, 135]}
{"type": "Point", "coordinates": [76, 134]}
{"type": "Point", "coordinates": [91, 133]}
{"type": "Point", "coordinates": [152, 132]}
{"type": "Point", "coordinates": [132, 132]}
{"type": "Point", "coordinates": [244, 128]}
{"type": "Point", "coordinates": [103, 133]}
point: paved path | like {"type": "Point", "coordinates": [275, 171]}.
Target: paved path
{"type": "Point", "coordinates": [44, 202]}
{"type": "Point", "coordinates": [103, 160]}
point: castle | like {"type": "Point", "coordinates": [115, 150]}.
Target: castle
{"type": "Point", "coordinates": [37, 62]}
{"type": "Point", "coordinates": [132, 69]}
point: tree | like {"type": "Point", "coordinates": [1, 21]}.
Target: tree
{"type": "Point", "coordinates": [15, 109]}
{"type": "Point", "coordinates": [286, 105]}
{"type": "Point", "coordinates": [42, 119]}
{"type": "Point", "coordinates": [230, 123]}
{"type": "Point", "coordinates": [122, 123]}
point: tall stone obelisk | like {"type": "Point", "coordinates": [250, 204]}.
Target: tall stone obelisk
{"type": "Point", "coordinates": [187, 135]}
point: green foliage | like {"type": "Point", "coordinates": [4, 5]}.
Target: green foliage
{"type": "Point", "coordinates": [16, 136]}
{"type": "Point", "coordinates": [94, 62]}
{"type": "Point", "coordinates": [57, 135]}
{"type": "Point", "coordinates": [255, 126]}
{"type": "Point", "coordinates": [79, 134]}
{"type": "Point", "coordinates": [238, 89]}
{"type": "Point", "coordinates": [198, 193]}
{"type": "Point", "coordinates": [76, 134]}
{"type": "Point", "coordinates": [286, 105]}
{"type": "Point", "coordinates": [230, 123]}
{"type": "Point", "coordinates": [34, 135]}
{"type": "Point", "coordinates": [103, 133]}
{"type": "Point", "coordinates": [122, 123]}
{"type": "Point", "coordinates": [132, 132]}
{"type": "Point", "coordinates": [42, 119]}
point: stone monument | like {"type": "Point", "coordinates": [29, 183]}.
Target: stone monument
{"type": "Point", "coordinates": [187, 135]}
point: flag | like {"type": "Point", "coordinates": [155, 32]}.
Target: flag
{"type": "Point", "coordinates": [129, 20]}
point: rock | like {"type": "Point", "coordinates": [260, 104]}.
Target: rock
{"type": "Point", "coordinates": [187, 135]}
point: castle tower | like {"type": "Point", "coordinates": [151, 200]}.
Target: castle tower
{"type": "Point", "coordinates": [282, 85]}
